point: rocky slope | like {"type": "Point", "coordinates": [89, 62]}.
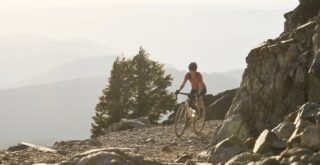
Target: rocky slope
{"type": "Point", "coordinates": [157, 144]}
{"type": "Point", "coordinates": [282, 74]}
{"type": "Point", "coordinates": [275, 115]}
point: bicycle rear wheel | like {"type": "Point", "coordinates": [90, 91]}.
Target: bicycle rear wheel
{"type": "Point", "coordinates": [200, 120]}
{"type": "Point", "coordinates": [180, 120]}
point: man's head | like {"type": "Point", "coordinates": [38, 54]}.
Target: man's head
{"type": "Point", "coordinates": [193, 66]}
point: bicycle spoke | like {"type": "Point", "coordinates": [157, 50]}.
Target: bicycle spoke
{"type": "Point", "coordinates": [180, 121]}
{"type": "Point", "coordinates": [200, 121]}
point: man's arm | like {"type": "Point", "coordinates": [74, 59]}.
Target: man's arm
{"type": "Point", "coordinates": [186, 77]}
{"type": "Point", "coordinates": [183, 84]}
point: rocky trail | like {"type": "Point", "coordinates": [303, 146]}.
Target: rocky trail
{"type": "Point", "coordinates": [156, 143]}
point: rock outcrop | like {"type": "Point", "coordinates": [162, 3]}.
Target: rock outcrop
{"type": "Point", "coordinates": [282, 74]}
{"type": "Point", "coordinates": [126, 124]}
{"type": "Point", "coordinates": [303, 146]}
{"type": "Point", "coordinates": [107, 156]}
{"type": "Point", "coordinates": [218, 105]}
{"type": "Point", "coordinates": [278, 100]}
{"type": "Point", "coordinates": [226, 149]}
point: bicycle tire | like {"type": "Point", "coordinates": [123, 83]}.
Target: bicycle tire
{"type": "Point", "coordinates": [181, 116]}
{"type": "Point", "coordinates": [199, 122]}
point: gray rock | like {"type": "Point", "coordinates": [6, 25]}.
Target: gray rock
{"type": "Point", "coordinates": [291, 117]}
{"type": "Point", "coordinates": [183, 158]}
{"type": "Point", "coordinates": [294, 158]}
{"type": "Point", "coordinates": [250, 142]}
{"type": "Point", "coordinates": [150, 140]}
{"type": "Point", "coordinates": [267, 141]}
{"type": "Point", "coordinates": [269, 161]}
{"type": "Point", "coordinates": [314, 69]}
{"type": "Point", "coordinates": [315, 158]}
{"type": "Point", "coordinates": [284, 130]}
{"type": "Point", "coordinates": [18, 147]}
{"type": "Point", "coordinates": [305, 158]}
{"type": "Point", "coordinates": [24, 145]}
{"type": "Point", "coordinates": [126, 124]}
{"type": "Point", "coordinates": [104, 158]}
{"type": "Point", "coordinates": [310, 138]}
{"type": "Point", "coordinates": [166, 149]}
{"type": "Point", "coordinates": [308, 112]}
{"type": "Point", "coordinates": [299, 152]}
{"type": "Point", "coordinates": [302, 124]}
{"type": "Point", "coordinates": [190, 162]}
{"type": "Point", "coordinates": [218, 105]}
{"type": "Point", "coordinates": [233, 126]}
{"type": "Point", "coordinates": [203, 156]}
{"type": "Point", "coordinates": [227, 149]}
{"type": "Point", "coordinates": [244, 158]}
{"type": "Point", "coordinates": [107, 156]}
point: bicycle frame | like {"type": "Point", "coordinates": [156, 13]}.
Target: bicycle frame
{"type": "Point", "coordinates": [188, 100]}
{"type": "Point", "coordinates": [190, 115]}
{"type": "Point", "coordinates": [190, 112]}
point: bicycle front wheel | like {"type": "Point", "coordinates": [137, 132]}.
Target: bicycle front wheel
{"type": "Point", "coordinates": [200, 120]}
{"type": "Point", "coordinates": [180, 120]}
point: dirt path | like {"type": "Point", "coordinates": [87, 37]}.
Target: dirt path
{"type": "Point", "coordinates": [154, 143]}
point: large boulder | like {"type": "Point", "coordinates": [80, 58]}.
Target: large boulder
{"type": "Point", "coordinates": [282, 74]}
{"type": "Point", "coordinates": [310, 138]}
{"type": "Point", "coordinates": [126, 124]}
{"type": "Point", "coordinates": [308, 112]}
{"type": "Point", "coordinates": [307, 117]}
{"type": "Point", "coordinates": [234, 125]}
{"type": "Point", "coordinates": [296, 155]}
{"type": "Point", "coordinates": [268, 141]}
{"type": "Point", "coordinates": [227, 149]}
{"type": "Point", "coordinates": [300, 15]}
{"type": "Point", "coordinates": [243, 158]}
{"type": "Point", "coordinates": [108, 156]}
{"type": "Point", "coordinates": [218, 105]}
{"type": "Point", "coordinates": [284, 130]}
{"type": "Point", "coordinates": [314, 70]}
{"type": "Point", "coordinates": [294, 140]}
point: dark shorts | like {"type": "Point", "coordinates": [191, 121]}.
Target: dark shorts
{"type": "Point", "coordinates": [192, 98]}
{"type": "Point", "coordinates": [203, 92]}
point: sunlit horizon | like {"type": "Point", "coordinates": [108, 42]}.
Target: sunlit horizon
{"type": "Point", "coordinates": [270, 4]}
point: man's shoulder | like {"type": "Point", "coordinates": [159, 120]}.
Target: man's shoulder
{"type": "Point", "coordinates": [198, 73]}
{"type": "Point", "coordinates": [188, 75]}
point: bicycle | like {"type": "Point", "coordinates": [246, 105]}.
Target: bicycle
{"type": "Point", "coordinates": [185, 116]}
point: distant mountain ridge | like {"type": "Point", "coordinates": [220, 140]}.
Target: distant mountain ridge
{"type": "Point", "coordinates": [78, 69]}
{"type": "Point", "coordinates": [99, 67]}
{"type": "Point", "coordinates": [56, 111]}
{"type": "Point", "coordinates": [24, 56]}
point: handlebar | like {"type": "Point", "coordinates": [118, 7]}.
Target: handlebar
{"type": "Point", "coordinates": [187, 94]}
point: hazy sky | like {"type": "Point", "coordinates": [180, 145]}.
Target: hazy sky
{"type": "Point", "coordinates": [218, 34]}
{"type": "Point", "coordinates": [53, 3]}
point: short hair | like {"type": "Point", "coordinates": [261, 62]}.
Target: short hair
{"type": "Point", "coordinates": [193, 66]}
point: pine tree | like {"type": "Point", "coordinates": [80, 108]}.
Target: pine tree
{"type": "Point", "coordinates": [137, 88]}
{"type": "Point", "coordinates": [151, 83]}
{"type": "Point", "coordinates": [115, 102]}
